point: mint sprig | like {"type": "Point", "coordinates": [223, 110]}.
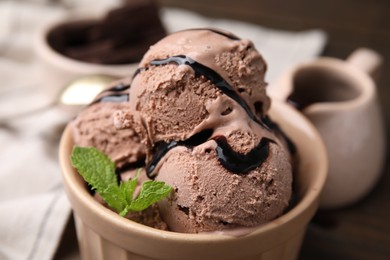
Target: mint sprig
{"type": "Point", "coordinates": [98, 170]}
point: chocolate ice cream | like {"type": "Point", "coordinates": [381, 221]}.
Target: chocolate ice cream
{"type": "Point", "coordinates": [94, 127]}
{"type": "Point", "coordinates": [199, 108]}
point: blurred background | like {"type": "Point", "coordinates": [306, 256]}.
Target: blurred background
{"type": "Point", "coordinates": [362, 230]}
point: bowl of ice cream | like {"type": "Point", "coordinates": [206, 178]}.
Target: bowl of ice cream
{"type": "Point", "coordinates": [195, 115]}
{"type": "Point", "coordinates": [95, 41]}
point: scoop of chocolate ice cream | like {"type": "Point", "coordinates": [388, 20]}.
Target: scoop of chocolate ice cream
{"type": "Point", "coordinates": [94, 126]}
{"type": "Point", "coordinates": [186, 71]}
{"type": "Point", "coordinates": [209, 197]}
{"type": "Point", "coordinates": [198, 102]}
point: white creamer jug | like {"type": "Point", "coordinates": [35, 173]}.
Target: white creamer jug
{"type": "Point", "coordinates": [339, 98]}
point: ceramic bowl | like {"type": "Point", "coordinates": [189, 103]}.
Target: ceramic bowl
{"type": "Point", "coordinates": [103, 234]}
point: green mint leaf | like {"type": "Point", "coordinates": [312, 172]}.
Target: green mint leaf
{"type": "Point", "coordinates": [99, 171]}
{"type": "Point", "coordinates": [127, 189]}
{"type": "Point", "coordinates": [151, 192]}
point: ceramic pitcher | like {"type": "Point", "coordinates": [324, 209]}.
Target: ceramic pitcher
{"type": "Point", "coordinates": [340, 99]}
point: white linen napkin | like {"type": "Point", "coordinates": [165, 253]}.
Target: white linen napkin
{"type": "Point", "coordinates": [33, 207]}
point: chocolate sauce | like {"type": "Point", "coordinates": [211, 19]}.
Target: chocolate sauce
{"type": "Point", "coordinates": [214, 77]}
{"type": "Point", "coordinates": [118, 88]}
{"type": "Point", "coordinates": [163, 148]}
{"type": "Point", "coordinates": [113, 98]}
{"type": "Point", "coordinates": [226, 34]}
{"type": "Point", "coordinates": [239, 163]}
{"type": "Point", "coordinates": [138, 71]}
{"type": "Point", "coordinates": [233, 161]}
{"type": "Point", "coordinates": [140, 163]}
{"type": "Point", "coordinates": [114, 94]}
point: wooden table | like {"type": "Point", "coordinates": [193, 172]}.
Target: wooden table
{"type": "Point", "coordinates": [361, 231]}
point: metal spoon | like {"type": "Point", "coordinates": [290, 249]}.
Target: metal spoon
{"type": "Point", "coordinates": [72, 98]}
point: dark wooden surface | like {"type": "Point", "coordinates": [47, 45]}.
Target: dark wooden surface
{"type": "Point", "coordinates": [361, 231]}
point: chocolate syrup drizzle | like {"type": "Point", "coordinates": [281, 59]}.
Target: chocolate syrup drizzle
{"type": "Point", "coordinates": [114, 94]}
{"type": "Point", "coordinates": [235, 162]}
{"type": "Point", "coordinates": [226, 34]}
{"type": "Point", "coordinates": [241, 163]}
